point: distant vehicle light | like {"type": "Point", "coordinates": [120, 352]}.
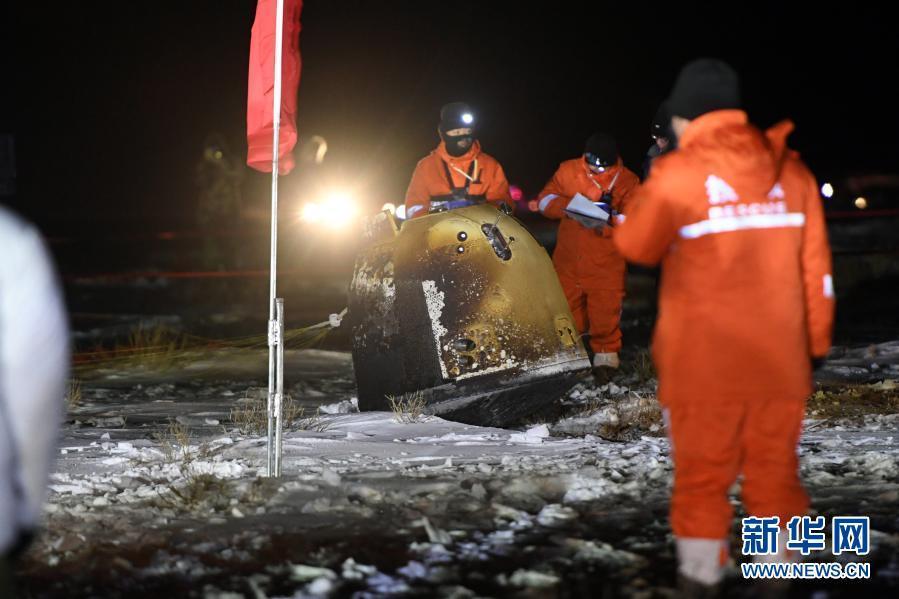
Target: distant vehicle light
{"type": "Point", "coordinates": [861, 203]}
{"type": "Point", "coordinates": [389, 208]}
{"type": "Point", "coordinates": [516, 193]}
{"type": "Point", "coordinates": [827, 190]}
{"type": "Point", "coordinates": [467, 118]}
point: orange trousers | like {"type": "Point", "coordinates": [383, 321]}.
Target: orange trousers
{"type": "Point", "coordinates": [596, 311]}
{"type": "Point", "coordinates": [713, 442]}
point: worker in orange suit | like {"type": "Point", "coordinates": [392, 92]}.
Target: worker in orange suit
{"type": "Point", "coordinates": [589, 267]}
{"type": "Point", "coordinates": [746, 305]}
{"type": "Point", "coordinates": [457, 172]}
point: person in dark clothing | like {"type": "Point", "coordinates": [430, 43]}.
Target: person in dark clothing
{"type": "Point", "coordinates": [663, 140]}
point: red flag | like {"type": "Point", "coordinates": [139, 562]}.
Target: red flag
{"type": "Point", "coordinates": [261, 88]}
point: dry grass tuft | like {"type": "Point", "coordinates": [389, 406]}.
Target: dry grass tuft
{"type": "Point", "coordinates": [174, 442]}
{"type": "Point", "coordinates": [854, 401]}
{"type": "Point", "coordinates": [251, 415]}
{"type": "Point", "coordinates": [407, 408]}
{"type": "Point", "coordinates": [73, 394]}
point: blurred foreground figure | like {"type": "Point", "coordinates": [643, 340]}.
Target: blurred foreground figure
{"type": "Point", "coordinates": [746, 303]}
{"type": "Point", "coordinates": [34, 360]}
{"type": "Point", "coordinates": [457, 173]}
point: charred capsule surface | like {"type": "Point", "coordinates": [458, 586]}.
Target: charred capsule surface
{"type": "Point", "coordinates": [484, 334]}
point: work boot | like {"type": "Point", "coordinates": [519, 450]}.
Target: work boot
{"type": "Point", "coordinates": [700, 567]}
{"type": "Point", "coordinates": [604, 366]}
{"type": "Point", "coordinates": [606, 360]}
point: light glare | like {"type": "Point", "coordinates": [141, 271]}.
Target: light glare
{"type": "Point", "coordinates": [311, 213]}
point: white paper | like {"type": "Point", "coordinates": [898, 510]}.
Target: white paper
{"type": "Point", "coordinates": [582, 206]}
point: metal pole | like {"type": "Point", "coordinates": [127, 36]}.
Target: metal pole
{"type": "Point", "coordinates": [273, 341]}
{"type": "Point", "coordinates": [279, 386]}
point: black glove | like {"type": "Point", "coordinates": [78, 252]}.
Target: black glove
{"type": "Point", "coordinates": [590, 223]}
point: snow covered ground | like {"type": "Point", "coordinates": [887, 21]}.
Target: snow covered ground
{"type": "Point", "coordinates": [156, 491]}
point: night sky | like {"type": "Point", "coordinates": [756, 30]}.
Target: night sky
{"type": "Point", "coordinates": [113, 101]}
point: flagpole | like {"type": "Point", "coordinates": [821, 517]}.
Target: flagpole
{"type": "Point", "coordinates": [274, 340]}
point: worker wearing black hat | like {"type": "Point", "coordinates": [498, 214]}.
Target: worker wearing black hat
{"type": "Point", "coordinates": [746, 303]}
{"type": "Point", "coordinates": [662, 138]}
{"type": "Point", "coordinates": [457, 172]}
{"type": "Point", "coordinates": [589, 267]}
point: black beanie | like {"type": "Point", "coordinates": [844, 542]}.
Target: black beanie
{"type": "Point", "coordinates": [702, 86]}
{"type": "Point", "coordinates": [456, 115]}
{"type": "Point", "coordinates": [603, 146]}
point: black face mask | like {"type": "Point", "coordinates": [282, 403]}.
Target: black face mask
{"type": "Point", "coordinates": [453, 147]}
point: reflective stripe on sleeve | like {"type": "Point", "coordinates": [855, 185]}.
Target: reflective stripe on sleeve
{"type": "Point", "coordinates": [546, 200]}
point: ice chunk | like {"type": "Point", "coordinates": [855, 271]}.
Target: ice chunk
{"type": "Point", "coordinates": [319, 586]}
{"type": "Point", "coordinates": [303, 573]}
{"type": "Point", "coordinates": [354, 571]}
{"type": "Point", "coordinates": [414, 570]}
{"type": "Point", "coordinates": [555, 515]}
{"type": "Point", "coordinates": [347, 406]}
{"type": "Point", "coordinates": [478, 491]}
{"type": "Point", "coordinates": [533, 579]}
{"type": "Point", "coordinates": [435, 535]}
{"type": "Point", "coordinates": [534, 434]}
{"type": "Point", "coordinates": [330, 478]}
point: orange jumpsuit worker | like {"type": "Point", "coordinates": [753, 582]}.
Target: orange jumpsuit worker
{"type": "Point", "coordinates": [589, 267]}
{"type": "Point", "coordinates": [746, 303]}
{"type": "Point", "coordinates": [457, 170]}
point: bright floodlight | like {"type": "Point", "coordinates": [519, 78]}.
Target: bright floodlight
{"type": "Point", "coordinates": [467, 118]}
{"type": "Point", "coordinates": [311, 213]}
{"type": "Point", "coordinates": [861, 203]}
{"type": "Point", "coordinates": [340, 210]}
{"type": "Point", "coordinates": [827, 190]}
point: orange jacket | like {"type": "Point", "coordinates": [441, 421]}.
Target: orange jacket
{"type": "Point", "coordinates": [746, 295]}
{"type": "Point", "coordinates": [582, 252]}
{"type": "Point", "coordinates": [429, 180]}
